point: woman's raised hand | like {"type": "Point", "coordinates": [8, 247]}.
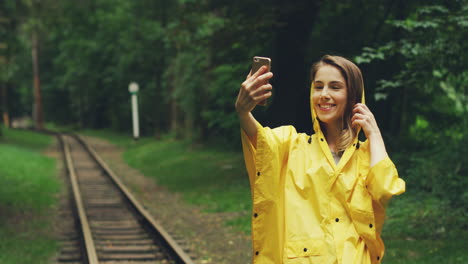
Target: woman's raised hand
{"type": "Point", "coordinates": [253, 90]}
{"type": "Point", "coordinates": [363, 117]}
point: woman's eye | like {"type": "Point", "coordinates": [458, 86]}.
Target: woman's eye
{"type": "Point", "coordinates": [318, 87]}
{"type": "Point", "coordinates": [335, 87]}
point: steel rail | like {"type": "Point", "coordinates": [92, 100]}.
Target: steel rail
{"type": "Point", "coordinates": [85, 228]}
{"type": "Point", "coordinates": [176, 251]}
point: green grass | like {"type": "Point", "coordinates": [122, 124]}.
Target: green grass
{"type": "Point", "coordinates": [423, 229]}
{"type": "Point", "coordinates": [215, 179]}
{"type": "Point", "coordinates": [25, 139]}
{"type": "Point", "coordinates": [118, 139]}
{"type": "Point", "coordinates": [28, 189]}
{"type": "Point", "coordinates": [446, 251]}
{"type": "Point", "coordinates": [60, 128]}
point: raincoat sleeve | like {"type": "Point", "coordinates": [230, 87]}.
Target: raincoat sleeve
{"type": "Point", "coordinates": [368, 204]}
{"type": "Point", "coordinates": [267, 164]}
{"type": "Point", "coordinates": [383, 181]}
{"type": "Point", "coordinates": [272, 149]}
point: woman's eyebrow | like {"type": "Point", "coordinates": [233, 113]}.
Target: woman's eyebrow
{"type": "Point", "coordinates": [332, 82]}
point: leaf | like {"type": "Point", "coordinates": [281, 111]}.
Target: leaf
{"type": "Point", "coordinates": [380, 96]}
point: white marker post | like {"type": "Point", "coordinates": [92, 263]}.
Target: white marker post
{"type": "Point", "coordinates": [133, 89]}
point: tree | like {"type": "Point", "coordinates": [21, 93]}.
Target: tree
{"type": "Point", "coordinates": [4, 69]}
{"type": "Point", "coordinates": [433, 67]}
{"type": "Point", "coordinates": [8, 44]}
{"type": "Point", "coordinates": [428, 98]}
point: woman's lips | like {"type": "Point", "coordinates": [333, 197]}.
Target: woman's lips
{"type": "Point", "coordinates": [326, 107]}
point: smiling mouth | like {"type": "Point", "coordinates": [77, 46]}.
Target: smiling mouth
{"type": "Point", "coordinates": [326, 107]}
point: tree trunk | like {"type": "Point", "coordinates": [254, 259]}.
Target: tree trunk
{"type": "Point", "coordinates": [161, 123]}
{"type": "Point", "coordinates": [403, 128]}
{"type": "Point", "coordinates": [174, 113]}
{"type": "Point", "coordinates": [37, 109]}
{"type": "Point", "coordinates": [378, 28]}
{"type": "Point", "coordinates": [173, 107]}
{"type": "Point", "coordinates": [5, 115]}
{"type": "Point", "coordinates": [188, 125]}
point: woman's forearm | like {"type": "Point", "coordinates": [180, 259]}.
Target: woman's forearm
{"type": "Point", "coordinates": [252, 91]}
{"type": "Point", "coordinates": [363, 117]}
{"type": "Point", "coordinates": [377, 149]}
{"type": "Point", "coordinates": [249, 126]}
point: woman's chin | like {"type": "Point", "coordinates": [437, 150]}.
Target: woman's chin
{"type": "Point", "coordinates": [328, 119]}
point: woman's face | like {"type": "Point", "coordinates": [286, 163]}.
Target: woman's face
{"type": "Point", "coordinates": [329, 95]}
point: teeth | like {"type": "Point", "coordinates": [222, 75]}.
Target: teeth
{"type": "Point", "coordinates": [326, 106]}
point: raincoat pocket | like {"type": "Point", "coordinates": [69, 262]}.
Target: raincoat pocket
{"type": "Point", "coordinates": [360, 199]}
{"type": "Point", "coordinates": [361, 210]}
{"type": "Point", "coordinates": [305, 248]}
{"type": "Point", "coordinates": [362, 215]}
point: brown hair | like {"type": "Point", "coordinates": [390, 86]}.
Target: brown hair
{"type": "Point", "coordinates": [355, 85]}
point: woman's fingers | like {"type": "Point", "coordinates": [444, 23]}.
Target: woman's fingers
{"type": "Point", "coordinates": [361, 108]}
{"type": "Point", "coordinates": [260, 71]}
{"type": "Point", "coordinates": [361, 111]}
{"type": "Point", "coordinates": [260, 77]}
{"type": "Point", "coordinates": [363, 117]}
{"type": "Point", "coordinates": [248, 99]}
{"type": "Point", "coordinates": [253, 90]}
{"type": "Point", "coordinates": [261, 80]}
{"type": "Point", "coordinates": [359, 119]}
{"type": "Point", "coordinates": [261, 93]}
{"type": "Point", "coordinates": [262, 97]}
{"type": "Point", "coordinates": [260, 83]}
{"type": "Point", "coordinates": [250, 74]}
{"type": "Point", "coordinates": [261, 89]}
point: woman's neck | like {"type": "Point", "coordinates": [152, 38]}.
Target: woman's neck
{"type": "Point", "coordinates": [333, 134]}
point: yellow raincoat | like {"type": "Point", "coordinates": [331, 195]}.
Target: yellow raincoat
{"type": "Point", "coordinates": [308, 210]}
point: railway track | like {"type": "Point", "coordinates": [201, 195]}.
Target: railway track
{"type": "Point", "coordinates": [108, 225]}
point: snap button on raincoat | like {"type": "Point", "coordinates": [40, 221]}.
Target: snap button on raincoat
{"type": "Point", "coordinates": [306, 208]}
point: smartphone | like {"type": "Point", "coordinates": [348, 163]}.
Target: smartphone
{"type": "Point", "coordinates": [257, 63]}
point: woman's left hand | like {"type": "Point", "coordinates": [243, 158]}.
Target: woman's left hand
{"type": "Point", "coordinates": [363, 117]}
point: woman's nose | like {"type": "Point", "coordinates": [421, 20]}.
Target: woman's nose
{"type": "Point", "coordinates": [324, 92]}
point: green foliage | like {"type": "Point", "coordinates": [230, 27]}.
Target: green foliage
{"type": "Point", "coordinates": [173, 49]}
{"type": "Point", "coordinates": [433, 66]}
{"type": "Point", "coordinates": [97, 70]}
{"type": "Point", "coordinates": [220, 115]}
{"type": "Point", "coordinates": [438, 173]}
{"type": "Point", "coordinates": [427, 94]}
{"type": "Point", "coordinates": [190, 57]}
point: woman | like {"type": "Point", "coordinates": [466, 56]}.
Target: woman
{"type": "Point", "coordinates": [319, 198]}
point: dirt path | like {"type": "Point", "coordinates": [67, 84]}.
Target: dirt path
{"type": "Point", "coordinates": [209, 241]}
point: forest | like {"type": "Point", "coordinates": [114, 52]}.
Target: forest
{"type": "Point", "coordinates": [69, 64]}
